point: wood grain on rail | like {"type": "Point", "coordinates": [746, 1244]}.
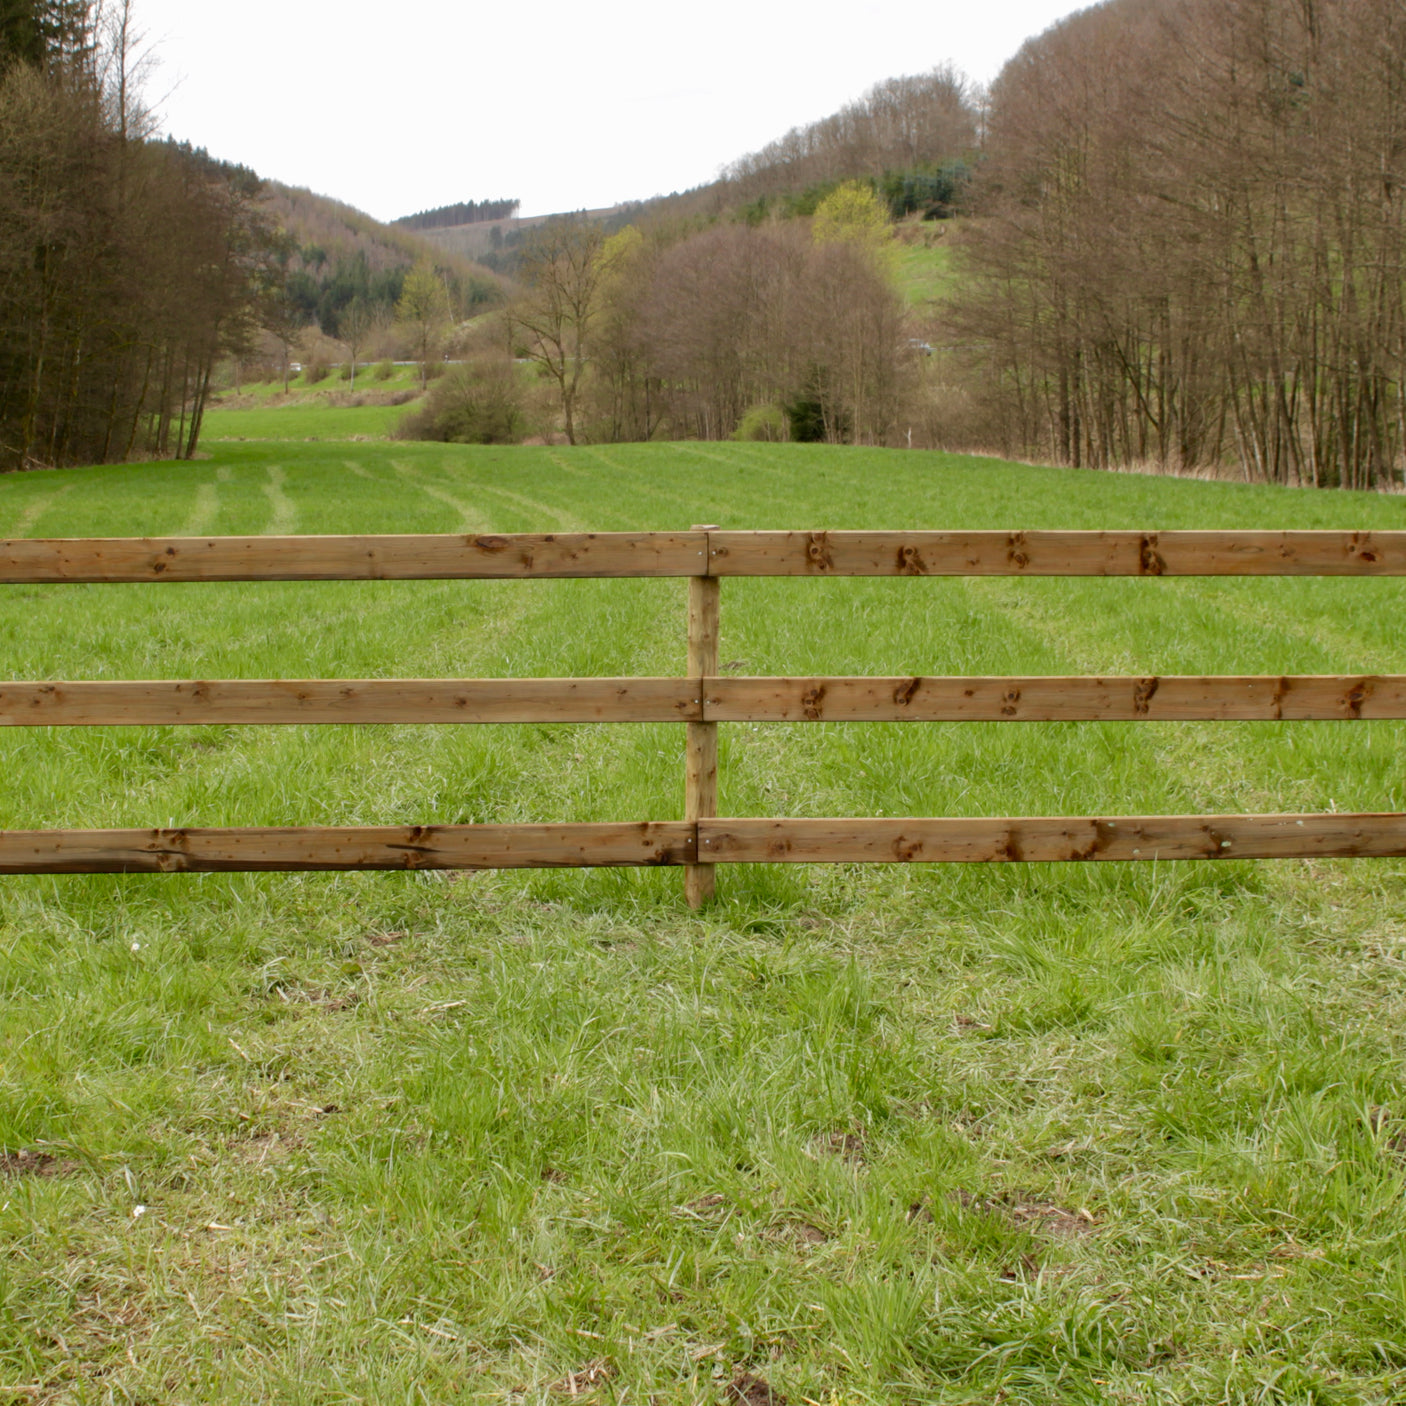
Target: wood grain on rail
{"type": "Point", "coordinates": [745, 841]}
{"type": "Point", "coordinates": [700, 777]}
{"type": "Point", "coordinates": [237, 701]}
{"type": "Point", "coordinates": [1052, 838]}
{"type": "Point", "coordinates": [906, 698]}
{"type": "Point", "coordinates": [1054, 699]}
{"type": "Point", "coordinates": [365, 558]}
{"type": "Point", "coordinates": [1053, 553]}
{"type": "Point", "coordinates": [355, 847]}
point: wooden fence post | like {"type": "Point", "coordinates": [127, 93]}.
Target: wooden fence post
{"type": "Point", "coordinates": [701, 748]}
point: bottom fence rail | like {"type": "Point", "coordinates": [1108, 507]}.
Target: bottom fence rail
{"type": "Point", "coordinates": [724, 841]}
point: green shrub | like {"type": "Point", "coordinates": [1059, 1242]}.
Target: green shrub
{"type": "Point", "coordinates": [806, 416]}
{"type": "Point", "coordinates": [477, 402]}
{"type": "Point", "coordinates": [384, 370]}
{"type": "Point", "coordinates": [314, 371]}
{"type": "Point", "coordinates": [764, 422]}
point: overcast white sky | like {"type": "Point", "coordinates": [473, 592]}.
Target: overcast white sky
{"type": "Point", "coordinates": [398, 107]}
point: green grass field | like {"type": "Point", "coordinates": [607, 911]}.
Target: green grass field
{"type": "Point", "coordinates": [259, 410]}
{"type": "Point", "coordinates": [302, 419]}
{"type": "Point", "coordinates": [924, 274]}
{"type": "Point", "coordinates": [1103, 1133]}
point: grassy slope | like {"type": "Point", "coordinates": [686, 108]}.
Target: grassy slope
{"type": "Point", "coordinates": [924, 273]}
{"type": "Point", "coordinates": [1035, 1134]}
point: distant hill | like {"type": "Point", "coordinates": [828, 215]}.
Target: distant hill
{"type": "Point", "coordinates": [341, 255]}
{"type": "Point", "coordinates": [913, 137]}
{"type": "Point", "coordinates": [491, 242]}
{"type": "Point", "coordinates": [466, 212]}
{"type": "Point", "coordinates": [317, 222]}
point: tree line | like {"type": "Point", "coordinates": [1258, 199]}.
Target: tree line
{"type": "Point", "coordinates": [467, 212]}
{"type": "Point", "coordinates": [763, 306]}
{"type": "Point", "coordinates": [1184, 244]}
{"type": "Point", "coordinates": [1192, 248]}
{"type": "Point", "coordinates": [128, 267]}
{"type": "Point", "coordinates": [785, 331]}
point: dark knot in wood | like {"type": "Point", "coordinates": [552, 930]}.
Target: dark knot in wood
{"type": "Point", "coordinates": [818, 551]}
{"type": "Point", "coordinates": [903, 694]}
{"type": "Point", "coordinates": [1150, 561]}
{"type": "Point", "coordinates": [1144, 691]}
{"type": "Point", "coordinates": [1359, 545]}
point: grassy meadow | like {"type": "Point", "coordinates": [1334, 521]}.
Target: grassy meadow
{"type": "Point", "coordinates": [924, 272]}
{"type": "Point", "coordinates": [967, 1134]}
{"type": "Point", "coordinates": [326, 409]}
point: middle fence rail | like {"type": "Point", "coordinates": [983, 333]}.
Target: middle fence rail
{"type": "Point", "coordinates": [703, 699]}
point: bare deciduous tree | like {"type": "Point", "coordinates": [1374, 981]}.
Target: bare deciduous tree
{"type": "Point", "coordinates": [563, 267]}
{"type": "Point", "coordinates": [1194, 249]}
{"type": "Point", "coordinates": [423, 312]}
{"type": "Point", "coordinates": [127, 267]}
{"type": "Point", "coordinates": [358, 323]}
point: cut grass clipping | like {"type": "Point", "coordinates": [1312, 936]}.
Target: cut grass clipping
{"type": "Point", "coordinates": [1022, 1134]}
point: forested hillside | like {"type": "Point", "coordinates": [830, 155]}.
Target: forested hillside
{"type": "Point", "coordinates": [914, 138]}
{"type": "Point", "coordinates": [335, 258]}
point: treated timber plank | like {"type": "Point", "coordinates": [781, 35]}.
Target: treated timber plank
{"type": "Point", "coordinates": [750, 841]}
{"type": "Point", "coordinates": [354, 847]}
{"type": "Point", "coordinates": [1244, 698]}
{"type": "Point", "coordinates": [362, 558]}
{"type": "Point", "coordinates": [1054, 699]}
{"type": "Point", "coordinates": [1051, 838]}
{"type": "Point", "coordinates": [1051, 553]}
{"type": "Point", "coordinates": [701, 739]}
{"type": "Point", "coordinates": [103, 703]}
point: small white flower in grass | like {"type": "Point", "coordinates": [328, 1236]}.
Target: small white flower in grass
{"type": "Point", "coordinates": [138, 1212]}
{"type": "Point", "coordinates": [136, 947]}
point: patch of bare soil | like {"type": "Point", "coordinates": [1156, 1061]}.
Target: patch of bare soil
{"type": "Point", "coordinates": [25, 1163]}
{"type": "Point", "coordinates": [797, 1232]}
{"type": "Point", "coordinates": [748, 1389]}
{"type": "Point", "coordinates": [849, 1145]}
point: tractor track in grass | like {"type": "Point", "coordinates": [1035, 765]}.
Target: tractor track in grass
{"type": "Point", "coordinates": [34, 510]}
{"type": "Point", "coordinates": [283, 515]}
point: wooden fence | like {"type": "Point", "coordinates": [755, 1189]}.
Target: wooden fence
{"type": "Point", "coordinates": [703, 699]}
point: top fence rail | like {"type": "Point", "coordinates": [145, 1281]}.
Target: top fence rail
{"type": "Point", "coordinates": [699, 554]}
